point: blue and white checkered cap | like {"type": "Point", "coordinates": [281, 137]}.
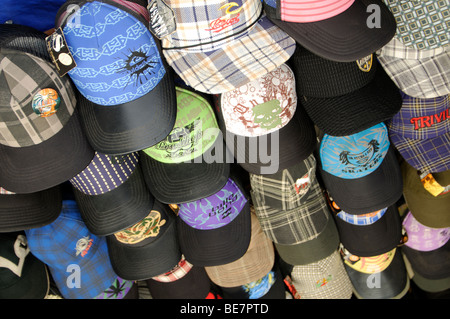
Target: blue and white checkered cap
{"type": "Point", "coordinates": [78, 260]}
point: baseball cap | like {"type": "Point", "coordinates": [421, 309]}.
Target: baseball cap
{"type": "Point", "coordinates": [215, 230]}
{"type": "Point", "coordinates": [421, 24]}
{"type": "Point", "coordinates": [256, 262]}
{"type": "Point", "coordinates": [22, 275]}
{"type": "Point", "coordinates": [370, 234]}
{"type": "Point", "coordinates": [294, 214]}
{"type": "Point", "coordinates": [148, 248]}
{"type": "Point", "coordinates": [382, 276]}
{"type": "Point", "coordinates": [429, 209]}
{"type": "Point", "coordinates": [360, 171]}
{"type": "Point", "coordinates": [274, 151]}
{"type": "Point", "coordinates": [22, 211]}
{"type": "Point", "coordinates": [344, 98]}
{"type": "Point", "coordinates": [427, 252]}
{"type": "Point", "coordinates": [42, 142]}
{"type": "Point", "coordinates": [342, 30]}
{"type": "Point", "coordinates": [215, 46]}
{"type": "Point", "coordinates": [420, 132]}
{"type": "Point", "coordinates": [323, 279]}
{"type": "Point", "coordinates": [121, 71]}
{"type": "Point", "coordinates": [192, 162]}
{"type": "Point", "coordinates": [269, 286]}
{"type": "Point", "coordinates": [111, 193]}
{"type": "Point", "coordinates": [184, 281]}
{"type": "Point", "coordinates": [418, 73]}
{"type": "Point", "coordinates": [67, 247]}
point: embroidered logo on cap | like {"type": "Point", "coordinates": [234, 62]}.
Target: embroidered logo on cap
{"type": "Point", "coordinates": [303, 183]}
{"type": "Point", "coordinates": [83, 245]}
{"type": "Point", "coordinates": [148, 227]}
{"type": "Point", "coordinates": [222, 23]}
{"type": "Point", "coordinates": [46, 102]}
{"type": "Point", "coordinates": [322, 282]}
{"type": "Point", "coordinates": [162, 19]}
{"type": "Point", "coordinates": [365, 64]}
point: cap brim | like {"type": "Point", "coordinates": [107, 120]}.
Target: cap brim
{"type": "Point", "coordinates": [345, 37]}
{"type": "Point", "coordinates": [216, 246]}
{"type": "Point", "coordinates": [122, 207]}
{"type": "Point", "coordinates": [264, 48]}
{"type": "Point", "coordinates": [275, 151]}
{"type": "Point", "coordinates": [356, 111]}
{"type": "Point", "coordinates": [429, 155]}
{"type": "Point", "coordinates": [148, 258]}
{"type": "Point", "coordinates": [371, 240]}
{"type": "Point", "coordinates": [52, 162]}
{"type": "Point", "coordinates": [312, 250]}
{"type": "Point", "coordinates": [24, 211]}
{"type": "Point", "coordinates": [185, 182]}
{"type": "Point", "coordinates": [426, 77]}
{"type": "Point", "coordinates": [377, 190]}
{"type": "Point", "coordinates": [393, 281]}
{"type": "Point", "coordinates": [132, 126]}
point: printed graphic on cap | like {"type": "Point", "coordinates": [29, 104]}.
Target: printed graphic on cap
{"type": "Point", "coordinates": [162, 18]}
{"type": "Point", "coordinates": [148, 227]}
{"type": "Point", "coordinates": [214, 211]}
{"type": "Point", "coordinates": [105, 173]}
{"type": "Point", "coordinates": [46, 102]}
{"type": "Point", "coordinates": [424, 238]}
{"type": "Point", "coordinates": [421, 24]}
{"type": "Point", "coordinates": [362, 219]}
{"type": "Point", "coordinates": [118, 289]}
{"type": "Point", "coordinates": [21, 250]}
{"type": "Point", "coordinates": [356, 155]}
{"type": "Point", "coordinates": [117, 59]}
{"type": "Point", "coordinates": [194, 132]}
{"type": "Point", "coordinates": [261, 106]}
{"type": "Point", "coordinates": [258, 288]}
{"type": "Point", "coordinates": [371, 265]}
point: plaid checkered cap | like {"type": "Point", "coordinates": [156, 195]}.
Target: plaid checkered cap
{"type": "Point", "coordinates": [184, 281]}
{"type": "Point", "coordinates": [148, 248]}
{"type": "Point", "coordinates": [429, 210]}
{"type": "Point", "coordinates": [121, 71]}
{"type": "Point", "coordinates": [421, 132]}
{"type": "Point", "coordinates": [261, 106]}
{"type": "Point", "coordinates": [27, 139]}
{"type": "Point", "coordinates": [217, 46]}
{"type": "Point", "coordinates": [361, 171]}
{"type": "Point", "coordinates": [323, 279]}
{"type": "Point", "coordinates": [67, 247]}
{"type": "Point", "coordinates": [24, 211]}
{"type": "Point", "coordinates": [111, 193]}
{"type": "Point", "coordinates": [257, 261]}
{"type": "Point", "coordinates": [418, 73]}
{"type": "Point", "coordinates": [338, 30]}
{"type": "Point", "coordinates": [421, 24]}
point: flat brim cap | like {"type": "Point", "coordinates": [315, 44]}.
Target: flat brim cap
{"type": "Point", "coordinates": [24, 211]}
{"type": "Point", "coordinates": [344, 37]}
{"type": "Point", "coordinates": [356, 111]}
{"type": "Point", "coordinates": [380, 236]}
{"type": "Point", "coordinates": [267, 154]}
{"type": "Point", "coordinates": [262, 49]}
{"type": "Point", "coordinates": [110, 212]}
{"type": "Point", "coordinates": [429, 210]}
{"type": "Point", "coordinates": [151, 248]}
{"type": "Point", "coordinates": [392, 282]}
{"type": "Point", "coordinates": [66, 150]}
{"type": "Point", "coordinates": [418, 73]}
{"type": "Point", "coordinates": [217, 246]}
{"type": "Point", "coordinates": [379, 189]}
{"type": "Point", "coordinates": [123, 115]}
{"type": "Point", "coordinates": [311, 250]}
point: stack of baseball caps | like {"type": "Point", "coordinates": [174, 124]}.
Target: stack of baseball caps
{"type": "Point", "coordinates": [248, 149]}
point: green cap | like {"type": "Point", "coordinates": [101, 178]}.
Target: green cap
{"type": "Point", "coordinates": [194, 132]}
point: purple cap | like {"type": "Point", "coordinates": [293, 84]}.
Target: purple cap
{"type": "Point", "coordinates": [423, 238]}
{"type": "Point", "coordinates": [216, 210]}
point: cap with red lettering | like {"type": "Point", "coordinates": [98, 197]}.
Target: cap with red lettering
{"type": "Point", "coordinates": [421, 132]}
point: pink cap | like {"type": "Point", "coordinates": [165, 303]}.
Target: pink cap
{"type": "Point", "coordinates": [423, 238]}
{"type": "Point", "coordinates": [303, 11]}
